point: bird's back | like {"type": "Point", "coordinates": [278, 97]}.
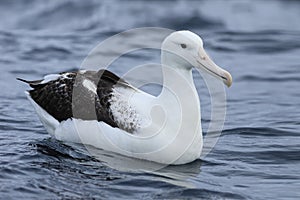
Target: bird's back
{"type": "Point", "coordinates": [86, 95]}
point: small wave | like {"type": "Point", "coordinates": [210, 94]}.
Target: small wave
{"type": "Point", "coordinates": [263, 42]}
{"type": "Point", "coordinates": [259, 131]}
{"type": "Point", "coordinates": [46, 53]}
{"type": "Point", "coordinates": [191, 22]}
{"type": "Point", "coordinates": [57, 149]}
{"type": "Point", "coordinates": [281, 78]}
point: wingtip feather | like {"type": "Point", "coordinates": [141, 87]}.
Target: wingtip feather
{"type": "Point", "coordinates": [23, 80]}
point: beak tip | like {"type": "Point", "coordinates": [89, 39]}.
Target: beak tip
{"type": "Point", "coordinates": [228, 81]}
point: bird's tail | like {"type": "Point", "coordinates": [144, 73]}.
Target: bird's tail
{"type": "Point", "coordinates": [33, 84]}
{"type": "Point", "coordinates": [23, 80]}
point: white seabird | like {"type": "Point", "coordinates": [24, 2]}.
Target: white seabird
{"type": "Point", "coordinates": [99, 108]}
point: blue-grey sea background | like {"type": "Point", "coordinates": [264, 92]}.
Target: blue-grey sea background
{"type": "Point", "coordinates": [258, 154]}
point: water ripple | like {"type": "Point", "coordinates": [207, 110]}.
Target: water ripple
{"type": "Point", "coordinates": [257, 155]}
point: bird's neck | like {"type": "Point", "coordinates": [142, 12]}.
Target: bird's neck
{"type": "Point", "coordinates": [179, 96]}
{"type": "Point", "coordinates": [176, 113]}
{"type": "Point", "coordinates": [176, 79]}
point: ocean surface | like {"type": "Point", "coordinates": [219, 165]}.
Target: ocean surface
{"type": "Point", "coordinates": [258, 153]}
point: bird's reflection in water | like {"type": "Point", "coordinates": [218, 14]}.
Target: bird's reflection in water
{"type": "Point", "coordinates": [179, 175]}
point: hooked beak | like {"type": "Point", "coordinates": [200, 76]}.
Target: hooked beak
{"type": "Point", "coordinates": [204, 62]}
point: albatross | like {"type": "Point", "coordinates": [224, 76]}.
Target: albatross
{"type": "Point", "coordinates": [101, 109]}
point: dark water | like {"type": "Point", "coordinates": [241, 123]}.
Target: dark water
{"type": "Point", "coordinates": [258, 154]}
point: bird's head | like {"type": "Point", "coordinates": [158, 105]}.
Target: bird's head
{"type": "Point", "coordinates": [184, 49]}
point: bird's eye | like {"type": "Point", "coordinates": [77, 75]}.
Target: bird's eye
{"type": "Point", "coordinates": [183, 46]}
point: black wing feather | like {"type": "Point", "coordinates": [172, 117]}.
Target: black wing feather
{"type": "Point", "coordinates": [66, 97]}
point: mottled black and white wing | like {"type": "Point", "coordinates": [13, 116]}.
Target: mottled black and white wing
{"type": "Point", "coordinates": [86, 95]}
